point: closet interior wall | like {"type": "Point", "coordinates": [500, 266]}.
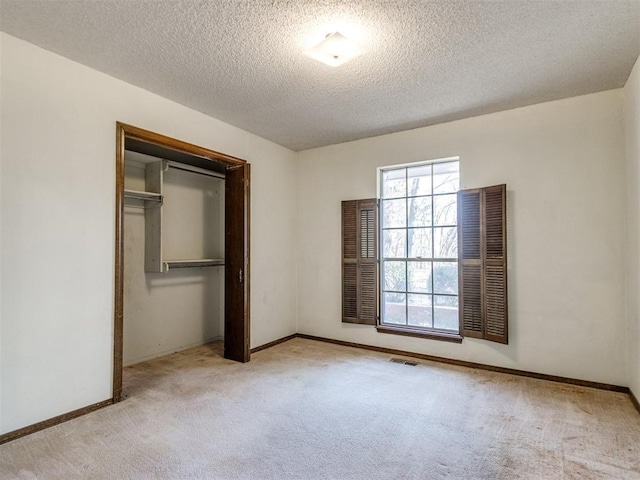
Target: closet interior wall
{"type": "Point", "coordinates": [172, 311]}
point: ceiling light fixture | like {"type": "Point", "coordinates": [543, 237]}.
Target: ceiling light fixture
{"type": "Point", "coordinates": [335, 50]}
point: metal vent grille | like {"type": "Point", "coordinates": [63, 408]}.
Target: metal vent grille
{"type": "Point", "coordinates": [403, 361]}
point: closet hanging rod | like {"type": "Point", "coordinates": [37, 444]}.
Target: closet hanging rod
{"type": "Point", "coordinates": [191, 168]}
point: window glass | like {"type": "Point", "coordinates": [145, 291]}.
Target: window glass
{"type": "Point", "coordinates": [394, 213]}
{"type": "Point", "coordinates": [419, 277]}
{"type": "Point", "coordinates": [446, 177]}
{"type": "Point", "coordinates": [394, 308]}
{"type": "Point", "coordinates": [419, 212]}
{"type": "Point", "coordinates": [445, 242]}
{"type": "Point", "coordinates": [420, 311]}
{"type": "Point", "coordinates": [395, 276]}
{"type": "Point", "coordinates": [395, 243]}
{"type": "Point", "coordinates": [445, 312]}
{"type": "Point", "coordinates": [394, 184]}
{"type": "Point", "coordinates": [420, 242]}
{"type": "Point", "coordinates": [419, 180]}
{"type": "Point", "coordinates": [445, 277]}
{"type": "Point", "coordinates": [445, 209]}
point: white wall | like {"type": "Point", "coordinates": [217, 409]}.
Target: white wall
{"type": "Point", "coordinates": [58, 204]}
{"type": "Point", "coordinates": [169, 312]}
{"type": "Point", "coordinates": [632, 144]}
{"type": "Point", "coordinates": [1, 215]}
{"type": "Point", "coordinates": [563, 164]}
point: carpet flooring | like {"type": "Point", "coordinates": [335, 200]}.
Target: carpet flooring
{"type": "Point", "coordinates": [310, 410]}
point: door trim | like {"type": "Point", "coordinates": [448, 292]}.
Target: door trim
{"type": "Point", "coordinates": [124, 132]}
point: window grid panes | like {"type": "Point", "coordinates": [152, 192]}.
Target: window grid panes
{"type": "Point", "coordinates": [419, 247]}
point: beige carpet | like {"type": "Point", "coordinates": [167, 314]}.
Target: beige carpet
{"type": "Point", "coordinates": [310, 410]}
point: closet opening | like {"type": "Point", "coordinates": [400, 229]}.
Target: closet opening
{"type": "Point", "coordinates": [182, 250]}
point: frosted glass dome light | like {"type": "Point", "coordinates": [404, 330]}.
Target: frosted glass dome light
{"type": "Point", "coordinates": [335, 50]}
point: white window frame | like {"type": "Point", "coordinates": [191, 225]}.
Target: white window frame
{"type": "Point", "coordinates": [408, 259]}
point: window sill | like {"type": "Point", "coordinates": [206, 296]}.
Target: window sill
{"type": "Point", "coordinates": [412, 332]}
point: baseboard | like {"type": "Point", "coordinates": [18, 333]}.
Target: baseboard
{"type": "Point", "coordinates": [21, 432]}
{"type": "Point", "coordinates": [274, 343]}
{"type": "Point", "coordinates": [634, 400]}
{"type": "Point", "coordinates": [480, 366]}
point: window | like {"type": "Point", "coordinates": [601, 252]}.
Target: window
{"type": "Point", "coordinates": [419, 247]}
{"type": "Point", "coordinates": [437, 265]}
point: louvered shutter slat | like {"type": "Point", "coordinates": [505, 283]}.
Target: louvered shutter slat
{"type": "Point", "coordinates": [349, 229]}
{"type": "Point", "coordinates": [350, 291]}
{"type": "Point", "coordinates": [367, 232]}
{"type": "Point", "coordinates": [496, 325]}
{"type": "Point", "coordinates": [471, 301]}
{"type": "Point", "coordinates": [494, 215]}
{"type": "Point", "coordinates": [368, 293]}
{"type": "Point", "coordinates": [469, 203]}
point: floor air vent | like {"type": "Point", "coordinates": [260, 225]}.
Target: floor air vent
{"type": "Point", "coordinates": [402, 361]}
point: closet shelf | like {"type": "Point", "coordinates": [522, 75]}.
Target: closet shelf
{"type": "Point", "coordinates": [138, 195]}
{"type": "Point", "coordinates": [204, 262]}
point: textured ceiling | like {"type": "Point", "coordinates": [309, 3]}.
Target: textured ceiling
{"type": "Point", "coordinates": [241, 61]}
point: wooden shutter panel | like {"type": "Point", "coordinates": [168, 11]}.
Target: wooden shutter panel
{"type": "Point", "coordinates": [470, 263]}
{"type": "Point", "coordinates": [350, 261]}
{"type": "Point", "coordinates": [495, 263]}
{"type": "Point", "coordinates": [483, 263]}
{"type": "Point", "coordinates": [359, 261]}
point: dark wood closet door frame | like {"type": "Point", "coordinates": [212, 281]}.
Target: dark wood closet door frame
{"type": "Point", "coordinates": [237, 320]}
